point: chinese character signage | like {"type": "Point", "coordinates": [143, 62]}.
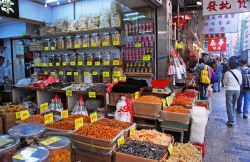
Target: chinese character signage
{"type": "Point", "coordinates": [216, 24]}
{"type": "Point", "coordinates": [9, 8]}
{"type": "Point", "coordinates": [216, 7]}
{"type": "Point", "coordinates": [215, 45]}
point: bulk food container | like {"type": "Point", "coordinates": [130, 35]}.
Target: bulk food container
{"type": "Point", "coordinates": [8, 147]}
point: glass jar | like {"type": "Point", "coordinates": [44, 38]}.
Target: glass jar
{"type": "Point", "coordinates": [62, 75]}
{"type": "Point", "coordinates": [69, 76]}
{"type": "Point", "coordinates": [81, 59]}
{"type": "Point", "coordinates": [72, 59]}
{"type": "Point", "coordinates": [32, 153]}
{"type": "Point", "coordinates": [116, 38]}
{"type": "Point", "coordinates": [44, 61]}
{"type": "Point", "coordinates": [53, 44]}
{"type": "Point", "coordinates": [87, 77]}
{"type": "Point", "coordinates": [86, 41]}
{"type": "Point", "coordinates": [106, 59]}
{"type": "Point", "coordinates": [116, 59]}
{"type": "Point", "coordinates": [106, 39]}
{"type": "Point", "coordinates": [62, 146]}
{"type": "Point", "coordinates": [46, 45]}
{"type": "Point", "coordinates": [58, 60]}
{"type": "Point", "coordinates": [97, 76]}
{"type": "Point", "coordinates": [98, 59]}
{"type": "Point", "coordinates": [78, 41]}
{"type": "Point", "coordinates": [60, 43]}
{"type": "Point", "coordinates": [52, 60]}
{"type": "Point", "coordinates": [106, 76]}
{"type": "Point", "coordinates": [37, 59]}
{"type": "Point", "coordinates": [8, 147]}
{"type": "Point", "coordinates": [78, 76]}
{"type": "Point", "coordinates": [89, 59]}
{"type": "Point", "coordinates": [69, 42]}
{"type": "Point", "coordinates": [65, 60]}
{"type": "Point", "coordinates": [95, 40]}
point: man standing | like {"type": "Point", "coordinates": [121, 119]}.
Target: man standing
{"type": "Point", "coordinates": [218, 70]}
{"type": "Point", "coordinates": [225, 69]}
{"type": "Point", "coordinates": [245, 89]}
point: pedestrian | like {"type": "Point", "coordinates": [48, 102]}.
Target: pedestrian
{"type": "Point", "coordinates": [225, 68]}
{"type": "Point", "coordinates": [218, 69]}
{"type": "Point", "coordinates": [245, 89]}
{"type": "Point", "coordinates": [202, 78]}
{"type": "Point", "coordinates": [232, 82]}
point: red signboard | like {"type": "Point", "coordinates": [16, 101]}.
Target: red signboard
{"type": "Point", "coordinates": [218, 44]}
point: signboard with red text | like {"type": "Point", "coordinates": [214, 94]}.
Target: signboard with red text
{"type": "Point", "coordinates": [216, 7]}
{"type": "Point", "coordinates": [218, 44]}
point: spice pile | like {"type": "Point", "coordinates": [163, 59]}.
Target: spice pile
{"type": "Point", "coordinates": [37, 119]}
{"type": "Point", "coordinates": [142, 149]}
{"type": "Point", "coordinates": [188, 93]}
{"type": "Point", "coordinates": [114, 123]}
{"type": "Point", "coordinates": [61, 155]}
{"type": "Point", "coordinates": [150, 99]}
{"type": "Point", "coordinates": [152, 136]}
{"type": "Point", "coordinates": [176, 109]}
{"type": "Point", "coordinates": [184, 152]}
{"type": "Point", "coordinates": [98, 131]}
{"type": "Point", "coordinates": [182, 100]}
{"type": "Point", "coordinates": [73, 117]}
{"type": "Point", "coordinates": [62, 125]}
{"type": "Point", "coordinates": [11, 108]}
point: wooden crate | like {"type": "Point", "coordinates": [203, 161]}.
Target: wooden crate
{"type": "Point", "coordinates": [115, 97]}
{"type": "Point", "coordinates": [9, 120]}
{"type": "Point", "coordinates": [87, 156]}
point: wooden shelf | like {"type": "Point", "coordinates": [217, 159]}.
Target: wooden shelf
{"type": "Point", "coordinates": [139, 74]}
{"type": "Point", "coordinates": [145, 117]}
{"type": "Point", "coordinates": [77, 66]}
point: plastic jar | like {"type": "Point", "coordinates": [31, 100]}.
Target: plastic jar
{"type": "Point", "coordinates": [97, 76]}
{"type": "Point", "coordinates": [65, 60]}
{"type": "Point", "coordinates": [81, 59]}
{"type": "Point", "coordinates": [60, 151]}
{"type": "Point", "coordinates": [116, 59]}
{"type": "Point", "coordinates": [69, 42]}
{"type": "Point", "coordinates": [44, 61]}
{"type": "Point", "coordinates": [106, 59]}
{"type": "Point", "coordinates": [89, 59]}
{"type": "Point", "coordinates": [62, 75]}
{"type": "Point", "coordinates": [53, 44]}
{"type": "Point", "coordinates": [116, 38]}
{"type": "Point", "coordinates": [95, 40]}
{"type": "Point", "coordinates": [86, 41]}
{"type": "Point", "coordinates": [106, 39]}
{"type": "Point", "coordinates": [72, 59]}
{"type": "Point", "coordinates": [58, 60]}
{"type": "Point", "coordinates": [60, 43]}
{"type": "Point", "coordinates": [28, 133]}
{"type": "Point", "coordinates": [32, 153]}
{"type": "Point", "coordinates": [77, 76]}
{"type": "Point", "coordinates": [46, 45]}
{"type": "Point", "coordinates": [87, 76]}
{"type": "Point", "coordinates": [8, 147]}
{"type": "Point", "coordinates": [52, 60]}
{"type": "Point", "coordinates": [78, 41]}
{"type": "Point", "coordinates": [37, 59]}
{"type": "Point", "coordinates": [106, 76]}
{"type": "Point", "coordinates": [69, 76]}
{"type": "Point", "coordinates": [98, 59]}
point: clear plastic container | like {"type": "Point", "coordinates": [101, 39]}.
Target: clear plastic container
{"type": "Point", "coordinates": [98, 58]}
{"type": "Point", "coordinates": [81, 59]}
{"type": "Point", "coordinates": [73, 59]}
{"type": "Point", "coordinates": [106, 75]}
{"type": "Point", "coordinates": [106, 39]}
{"type": "Point", "coordinates": [32, 154]}
{"type": "Point", "coordinates": [116, 38]}
{"type": "Point", "coordinates": [89, 59]}
{"type": "Point", "coordinates": [52, 60]}
{"type": "Point", "coordinates": [69, 42]}
{"type": "Point", "coordinates": [88, 77]}
{"type": "Point", "coordinates": [37, 59]}
{"type": "Point", "coordinates": [95, 40]}
{"type": "Point", "coordinates": [61, 75]}
{"type": "Point", "coordinates": [58, 60]}
{"type": "Point", "coordinates": [107, 59]}
{"type": "Point", "coordinates": [44, 61]}
{"type": "Point", "coordinates": [8, 147]}
{"type": "Point", "coordinates": [78, 41]}
{"type": "Point", "coordinates": [116, 59]}
{"type": "Point", "coordinates": [53, 44]}
{"type": "Point", "coordinates": [97, 76]}
{"type": "Point", "coordinates": [65, 60]}
{"type": "Point", "coordinates": [78, 76]}
{"type": "Point", "coordinates": [28, 133]}
{"type": "Point", "coordinates": [86, 41]}
{"type": "Point", "coordinates": [46, 45]}
{"type": "Point", "coordinates": [60, 43]}
{"type": "Point", "coordinates": [69, 76]}
{"type": "Point", "coordinates": [60, 151]}
{"type": "Point", "coordinates": [80, 108]}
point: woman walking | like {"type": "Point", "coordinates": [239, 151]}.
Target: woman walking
{"type": "Point", "coordinates": [232, 82]}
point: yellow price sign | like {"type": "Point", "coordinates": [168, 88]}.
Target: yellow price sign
{"type": "Point", "coordinates": [18, 115]}
{"type": "Point", "coordinates": [146, 58]}
{"type": "Point", "coordinates": [123, 78]}
{"type": "Point", "coordinates": [93, 44]}
{"type": "Point", "coordinates": [79, 63]}
{"type": "Point", "coordinates": [93, 117]}
{"type": "Point", "coordinates": [43, 65]}
{"type": "Point", "coordinates": [170, 148]}
{"type": "Point", "coordinates": [97, 63]}
{"type": "Point", "coordinates": [105, 44]}
{"type": "Point", "coordinates": [24, 114]}
{"type": "Point", "coordinates": [18, 157]}
{"type": "Point", "coordinates": [27, 150]}
{"type": "Point", "coordinates": [64, 63]}
{"type": "Point", "coordinates": [50, 141]}
{"type": "Point", "coordinates": [36, 65]}
{"type": "Point", "coordinates": [65, 113]}
{"type": "Point", "coordinates": [115, 80]}
{"type": "Point", "coordinates": [89, 63]}
{"type": "Point", "coordinates": [106, 63]}
{"type": "Point", "coordinates": [116, 43]}
{"type": "Point", "coordinates": [77, 45]}
{"type": "Point", "coordinates": [60, 72]}
{"type": "Point", "coordinates": [57, 63]}
{"type": "Point", "coordinates": [72, 63]}
{"type": "Point", "coordinates": [116, 62]}
{"type": "Point", "coordinates": [78, 123]}
{"type": "Point", "coordinates": [69, 73]}
{"type": "Point", "coordinates": [120, 141]}
{"type": "Point", "coordinates": [105, 74]}
{"type": "Point", "coordinates": [44, 107]}
{"type": "Point", "coordinates": [92, 94]}
{"type": "Point", "coordinates": [68, 93]}
{"type": "Point", "coordinates": [137, 95]}
{"type": "Point", "coordinates": [46, 48]}
{"type": "Point", "coordinates": [50, 64]}
{"type": "Point", "coordinates": [45, 72]}
{"type": "Point", "coordinates": [75, 73]}
{"type": "Point", "coordinates": [117, 73]}
{"type": "Point", "coordinates": [95, 73]}
{"type": "Point", "coordinates": [52, 48]}
{"type": "Point", "coordinates": [5, 141]}
{"type": "Point", "coordinates": [86, 73]}
{"type": "Point", "coordinates": [48, 118]}
{"type": "Point", "coordinates": [85, 45]}
{"type": "Point", "coordinates": [132, 131]}
{"type": "Point", "coordinates": [53, 73]}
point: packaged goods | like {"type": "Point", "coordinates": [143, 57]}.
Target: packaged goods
{"type": "Point", "coordinates": [150, 99]}
{"type": "Point", "coordinates": [177, 109]}
{"type": "Point", "coordinates": [69, 42]}
{"type": "Point", "coordinates": [11, 108]}
{"type": "Point", "coordinates": [97, 76]}
{"type": "Point", "coordinates": [56, 104]}
{"type": "Point", "coordinates": [88, 78]}
{"type": "Point", "coordinates": [82, 23]}
{"type": "Point", "coordinates": [8, 147]}
{"type": "Point", "coordinates": [98, 131]}
{"type": "Point", "coordinates": [38, 119]}
{"type": "Point", "coordinates": [61, 43]}
{"type": "Point", "coordinates": [80, 108]}
{"type": "Point", "coordinates": [73, 117]}
{"type": "Point", "coordinates": [62, 125]}
{"type": "Point", "coordinates": [114, 123]}
{"type": "Point", "coordinates": [61, 25]}
{"type": "Point", "coordinates": [86, 41]}
{"type": "Point", "coordinates": [124, 110]}
{"type": "Point", "coordinates": [59, 85]}
{"type": "Point", "coordinates": [105, 20]}
{"type": "Point", "coordinates": [72, 26]}
{"type": "Point", "coordinates": [116, 20]}
{"type": "Point", "coordinates": [152, 136]}
{"type": "Point", "coordinates": [93, 22]}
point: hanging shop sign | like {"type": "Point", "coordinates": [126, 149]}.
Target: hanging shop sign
{"type": "Point", "coordinates": [217, 24]}
{"type": "Point", "coordinates": [9, 8]}
{"type": "Point", "coordinates": [216, 7]}
{"type": "Point", "coordinates": [215, 45]}
{"type": "Point", "coordinates": [179, 45]}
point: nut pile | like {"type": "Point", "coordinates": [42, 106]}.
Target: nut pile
{"type": "Point", "coordinates": [61, 155]}
{"type": "Point", "coordinates": [150, 99]}
{"type": "Point", "coordinates": [114, 123]}
{"type": "Point", "coordinates": [62, 125]}
{"type": "Point", "coordinates": [73, 117]}
{"type": "Point", "coordinates": [38, 119]}
{"type": "Point", "coordinates": [11, 108]}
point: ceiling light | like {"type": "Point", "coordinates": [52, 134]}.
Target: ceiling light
{"type": "Point", "coordinates": [199, 3]}
{"type": "Point", "coordinates": [46, 5]}
{"type": "Point", "coordinates": [69, 1]}
{"type": "Point", "coordinates": [50, 1]}
{"type": "Point", "coordinates": [57, 2]}
{"type": "Point", "coordinates": [0, 18]}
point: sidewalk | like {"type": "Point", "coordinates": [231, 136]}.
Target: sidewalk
{"type": "Point", "coordinates": [226, 144]}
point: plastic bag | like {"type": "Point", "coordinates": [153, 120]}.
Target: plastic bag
{"type": "Point", "coordinates": [124, 110]}
{"type": "Point", "coordinates": [82, 23]}
{"type": "Point", "coordinates": [80, 108]}
{"type": "Point", "coordinates": [105, 21]}
{"type": "Point", "coordinates": [56, 104]}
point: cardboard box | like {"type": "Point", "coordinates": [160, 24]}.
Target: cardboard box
{"type": "Point", "coordinates": [175, 117]}
{"type": "Point", "coordinates": [147, 109]}
{"type": "Point", "coordinates": [115, 97]}
{"type": "Point", "coordinates": [1, 125]}
{"type": "Point", "coordinates": [9, 120]}
{"type": "Point", "coordinates": [87, 156]}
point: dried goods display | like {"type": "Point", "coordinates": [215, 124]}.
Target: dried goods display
{"type": "Point", "coordinates": [152, 136]}
{"type": "Point", "coordinates": [184, 152]}
{"type": "Point", "coordinates": [73, 117]}
{"type": "Point", "coordinates": [97, 88]}
{"type": "Point", "coordinates": [176, 109]}
{"type": "Point", "coordinates": [58, 85]}
{"type": "Point", "coordinates": [114, 123]}
{"type": "Point", "coordinates": [191, 94]}
{"type": "Point", "coordinates": [11, 108]}
{"type": "Point", "coordinates": [39, 119]}
{"type": "Point", "coordinates": [184, 101]}
{"type": "Point", "coordinates": [98, 131]}
{"type": "Point", "coordinates": [62, 125]}
{"type": "Point", "coordinates": [56, 104]}
{"type": "Point", "coordinates": [142, 149]}
{"type": "Point", "coordinates": [8, 147]}
{"type": "Point", "coordinates": [61, 155]}
{"type": "Point", "coordinates": [77, 87]}
{"type": "Point", "coordinates": [80, 108]}
{"type": "Point", "coordinates": [150, 99]}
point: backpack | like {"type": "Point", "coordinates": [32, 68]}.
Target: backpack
{"type": "Point", "coordinates": [245, 78]}
{"type": "Point", "coordinates": [204, 78]}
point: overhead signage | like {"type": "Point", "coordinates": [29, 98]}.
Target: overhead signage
{"type": "Point", "coordinates": [216, 7]}
{"type": "Point", "coordinates": [9, 8]}
{"type": "Point", "coordinates": [217, 45]}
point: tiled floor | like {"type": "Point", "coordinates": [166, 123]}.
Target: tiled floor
{"type": "Point", "coordinates": [226, 144]}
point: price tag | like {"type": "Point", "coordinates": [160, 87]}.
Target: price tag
{"type": "Point", "coordinates": [86, 73]}
{"type": "Point", "coordinates": [44, 107]}
{"type": "Point", "coordinates": [93, 117]}
{"type": "Point", "coordinates": [78, 123]}
{"type": "Point", "coordinates": [97, 63]}
{"type": "Point", "coordinates": [117, 73]}
{"type": "Point", "coordinates": [36, 64]}
{"type": "Point", "coordinates": [115, 80]}
{"type": "Point", "coordinates": [116, 43]}
{"type": "Point", "coordinates": [93, 44]}
{"type": "Point", "coordinates": [170, 148]}
{"type": "Point", "coordinates": [50, 64]}
{"type": "Point", "coordinates": [65, 113]}
{"type": "Point", "coordinates": [68, 93]}
{"type": "Point", "coordinates": [60, 72]}
{"type": "Point", "coordinates": [105, 74]}
{"type": "Point", "coordinates": [18, 157]}
{"type": "Point", "coordinates": [69, 73]}
{"type": "Point", "coordinates": [146, 57]}
{"type": "Point", "coordinates": [50, 141]}
{"type": "Point", "coordinates": [43, 65]}
{"type": "Point", "coordinates": [92, 94]}
{"type": "Point", "coordinates": [138, 45]}
{"type": "Point", "coordinates": [137, 95]}
{"type": "Point", "coordinates": [77, 46]}
{"type": "Point", "coordinates": [48, 118]}
{"type": "Point", "coordinates": [85, 45]}
{"type": "Point", "coordinates": [120, 141]}
{"type": "Point", "coordinates": [27, 150]}
{"type": "Point", "coordinates": [105, 44]}
{"type": "Point", "coordinates": [52, 48]}
{"type": "Point", "coordinates": [64, 63]}
{"type": "Point", "coordinates": [75, 73]}
{"type": "Point", "coordinates": [106, 63]}
{"type": "Point", "coordinates": [95, 73]}
{"type": "Point", "coordinates": [46, 48]}
{"type": "Point", "coordinates": [57, 63]}
{"type": "Point", "coordinates": [45, 72]}
{"type": "Point", "coordinates": [18, 115]}
{"type": "Point", "coordinates": [53, 73]}
{"type": "Point", "coordinates": [72, 63]}
{"type": "Point", "coordinates": [123, 78]}
{"type": "Point", "coordinates": [24, 114]}
{"type": "Point", "coordinates": [116, 62]}
{"type": "Point", "coordinates": [5, 141]}
{"type": "Point", "coordinates": [79, 63]}
{"type": "Point", "coordinates": [132, 131]}
{"type": "Point", "coordinates": [164, 103]}
{"type": "Point", "coordinates": [89, 63]}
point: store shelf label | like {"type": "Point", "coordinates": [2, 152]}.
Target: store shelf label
{"type": "Point", "coordinates": [117, 73]}
{"type": "Point", "coordinates": [43, 64]}
{"type": "Point", "coordinates": [36, 64]}
{"type": "Point", "coordinates": [50, 64]}
{"type": "Point", "coordinates": [105, 74]}
{"type": "Point", "coordinates": [95, 73]}
{"type": "Point", "coordinates": [18, 157]}
{"type": "Point", "coordinates": [46, 48]}
{"type": "Point", "coordinates": [86, 73]}
{"type": "Point", "coordinates": [24, 114]}
{"type": "Point", "coordinates": [65, 113]}
{"type": "Point", "coordinates": [105, 44]}
{"type": "Point", "coordinates": [120, 141]}
{"type": "Point", "coordinates": [92, 94]}
{"type": "Point", "coordinates": [68, 93]}
{"type": "Point", "coordinates": [116, 43]}
{"type": "Point", "coordinates": [89, 63]}
{"type": "Point", "coordinates": [116, 62]}
{"type": "Point", "coordinates": [138, 45]}
{"type": "Point", "coordinates": [75, 73]}
{"type": "Point", "coordinates": [72, 63]}
{"type": "Point", "coordinates": [93, 44]}
{"type": "Point", "coordinates": [137, 95]}
{"type": "Point", "coordinates": [79, 63]}
{"type": "Point", "coordinates": [57, 63]}
{"type": "Point", "coordinates": [27, 150]}
{"type": "Point", "coordinates": [115, 80]}
{"type": "Point", "coordinates": [45, 72]}
{"type": "Point", "coordinates": [44, 107]}
{"type": "Point", "coordinates": [53, 73]}
{"type": "Point", "coordinates": [60, 72]}
{"type": "Point", "coordinates": [52, 48]}
{"type": "Point", "coordinates": [106, 63]}
{"type": "Point", "coordinates": [170, 148]}
{"type": "Point", "coordinates": [64, 63]}
{"type": "Point", "coordinates": [77, 46]}
{"type": "Point", "coordinates": [97, 63]}
{"type": "Point", "coordinates": [146, 57]}
{"type": "Point", "coordinates": [93, 117]}
{"type": "Point", "coordinates": [18, 115]}
{"type": "Point", "coordinates": [5, 141]}
{"type": "Point", "coordinates": [78, 123]}
{"type": "Point", "coordinates": [48, 118]}
{"type": "Point", "coordinates": [85, 45]}
{"type": "Point", "coordinates": [50, 141]}
{"type": "Point", "coordinates": [69, 73]}
{"type": "Point", "coordinates": [123, 78]}
{"type": "Point", "coordinates": [132, 131]}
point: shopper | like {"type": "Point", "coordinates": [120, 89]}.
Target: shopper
{"type": "Point", "coordinates": [218, 69]}
{"type": "Point", "coordinates": [232, 82]}
{"type": "Point", "coordinates": [202, 78]}
{"type": "Point", "coordinates": [245, 89]}
{"type": "Point", "coordinates": [225, 68]}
